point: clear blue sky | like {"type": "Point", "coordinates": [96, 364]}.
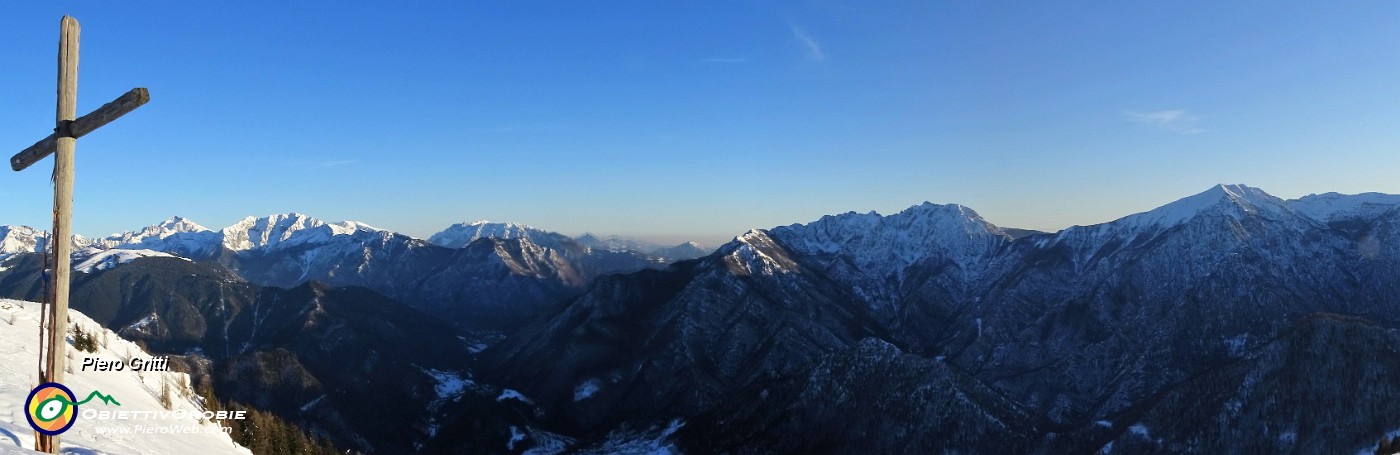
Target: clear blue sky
{"type": "Point", "coordinates": [700, 120]}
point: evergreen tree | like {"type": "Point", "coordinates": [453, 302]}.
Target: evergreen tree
{"type": "Point", "coordinates": [83, 341]}
{"type": "Point", "coordinates": [263, 433]}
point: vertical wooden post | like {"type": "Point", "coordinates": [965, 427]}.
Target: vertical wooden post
{"type": "Point", "coordinates": [63, 202]}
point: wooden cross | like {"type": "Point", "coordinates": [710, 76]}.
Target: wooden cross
{"type": "Point", "coordinates": [61, 144]}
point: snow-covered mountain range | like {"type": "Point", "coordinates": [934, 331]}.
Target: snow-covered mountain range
{"type": "Point", "coordinates": [185, 238]}
{"type": "Point", "coordinates": [1194, 327]}
{"type": "Point", "coordinates": [1229, 321]}
{"type": "Point", "coordinates": [483, 274]}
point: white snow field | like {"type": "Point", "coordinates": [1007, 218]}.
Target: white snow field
{"type": "Point", "coordinates": [175, 432]}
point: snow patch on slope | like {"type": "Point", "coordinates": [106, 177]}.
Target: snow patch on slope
{"type": "Point", "coordinates": [650, 442]}
{"type": "Point", "coordinates": [449, 384]}
{"type": "Point", "coordinates": [587, 389]}
{"type": "Point", "coordinates": [511, 394]}
{"type": "Point", "coordinates": [103, 260]}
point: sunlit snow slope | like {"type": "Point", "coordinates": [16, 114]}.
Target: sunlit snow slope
{"type": "Point", "coordinates": [19, 346]}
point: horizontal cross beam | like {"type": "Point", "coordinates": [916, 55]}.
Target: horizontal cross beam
{"type": "Point", "coordinates": [81, 127]}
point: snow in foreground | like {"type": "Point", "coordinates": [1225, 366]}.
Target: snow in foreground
{"type": "Point", "coordinates": [19, 356]}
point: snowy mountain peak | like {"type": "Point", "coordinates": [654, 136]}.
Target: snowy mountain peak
{"type": "Point", "coordinates": [951, 211]}
{"type": "Point", "coordinates": [1232, 200]}
{"type": "Point", "coordinates": [1328, 207]}
{"type": "Point", "coordinates": [753, 235]}
{"type": "Point", "coordinates": [287, 229]}
{"type": "Point", "coordinates": [19, 239]}
{"type": "Point", "coordinates": [167, 228]}
{"type": "Point", "coordinates": [176, 235]}
{"type": "Point", "coordinates": [881, 248]}
{"type": "Point", "coordinates": [756, 253]}
{"type": "Point", "coordinates": [268, 231]}
{"type": "Point", "coordinates": [351, 227]}
{"type": "Point", "coordinates": [461, 234]}
{"type": "Point", "coordinates": [927, 223]}
{"type": "Point", "coordinates": [180, 224]}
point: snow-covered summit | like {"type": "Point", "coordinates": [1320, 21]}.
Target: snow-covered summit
{"type": "Point", "coordinates": [756, 253]}
{"type": "Point", "coordinates": [1231, 200]}
{"type": "Point", "coordinates": [1329, 207]}
{"type": "Point", "coordinates": [252, 232]}
{"type": "Point", "coordinates": [351, 227]}
{"type": "Point", "coordinates": [938, 227]}
{"type": "Point", "coordinates": [182, 237]}
{"type": "Point", "coordinates": [884, 246]}
{"type": "Point", "coordinates": [20, 239]}
{"type": "Point", "coordinates": [286, 230]}
{"type": "Point", "coordinates": [462, 234]}
{"type": "Point", "coordinates": [180, 224]}
{"type": "Point", "coordinates": [176, 235]}
{"type": "Point", "coordinates": [173, 226]}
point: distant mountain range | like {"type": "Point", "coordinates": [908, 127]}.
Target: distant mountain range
{"type": "Point", "coordinates": [1230, 321]}
{"type": "Point", "coordinates": [687, 250]}
{"type": "Point", "coordinates": [484, 275]}
{"type": "Point", "coordinates": [281, 308]}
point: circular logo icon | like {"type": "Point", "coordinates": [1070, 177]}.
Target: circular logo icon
{"type": "Point", "coordinates": [51, 409]}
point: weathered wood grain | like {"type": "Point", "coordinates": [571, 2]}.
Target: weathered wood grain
{"type": "Point", "coordinates": [82, 126]}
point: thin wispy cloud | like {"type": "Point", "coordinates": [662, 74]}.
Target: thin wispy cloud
{"type": "Point", "coordinates": [1174, 120]}
{"type": "Point", "coordinates": [814, 49]}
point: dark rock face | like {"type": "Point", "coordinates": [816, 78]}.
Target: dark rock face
{"type": "Point", "coordinates": [1324, 385]}
{"type": "Point", "coordinates": [870, 398]}
{"type": "Point", "coordinates": [676, 341]}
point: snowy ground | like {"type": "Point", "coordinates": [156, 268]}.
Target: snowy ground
{"type": "Point", "coordinates": [19, 356]}
{"type": "Point", "coordinates": [654, 441]}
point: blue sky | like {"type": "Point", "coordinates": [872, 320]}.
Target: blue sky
{"type": "Point", "coordinates": [700, 120]}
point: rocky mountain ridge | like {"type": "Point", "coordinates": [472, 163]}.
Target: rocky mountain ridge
{"type": "Point", "coordinates": [1083, 332]}
{"type": "Point", "coordinates": [483, 275]}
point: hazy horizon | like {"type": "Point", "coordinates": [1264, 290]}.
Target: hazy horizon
{"type": "Point", "coordinates": [658, 238]}
{"type": "Point", "coordinates": [699, 122]}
